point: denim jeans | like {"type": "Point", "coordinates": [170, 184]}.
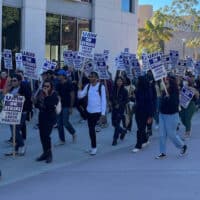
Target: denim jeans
{"type": "Point", "coordinates": [168, 125]}
{"type": "Point", "coordinates": [19, 139]}
{"type": "Point", "coordinates": [63, 121]}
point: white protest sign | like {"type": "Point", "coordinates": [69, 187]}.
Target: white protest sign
{"type": "Point", "coordinates": [119, 62]}
{"type": "Point", "coordinates": [7, 57]}
{"type": "Point", "coordinates": [166, 59]}
{"type": "Point", "coordinates": [157, 67]}
{"type": "Point", "coordinates": [181, 68]}
{"type": "Point", "coordinates": [186, 96]}
{"type": "Point", "coordinates": [88, 67]}
{"type": "Point", "coordinates": [145, 62]}
{"type": "Point", "coordinates": [102, 69]}
{"type": "Point", "coordinates": [136, 67]}
{"type": "Point", "coordinates": [126, 50]}
{"type": "Point", "coordinates": [12, 109]}
{"type": "Point", "coordinates": [87, 44]}
{"type": "Point", "coordinates": [174, 57]}
{"type": "Point", "coordinates": [49, 65]}
{"type": "Point", "coordinates": [68, 57]}
{"type": "Point", "coordinates": [18, 60]}
{"type": "Point", "coordinates": [77, 61]}
{"type": "Point", "coordinates": [106, 54]}
{"type": "Point", "coordinates": [29, 63]}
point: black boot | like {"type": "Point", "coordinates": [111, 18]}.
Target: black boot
{"type": "Point", "coordinates": [114, 142]}
{"type": "Point", "coordinates": [49, 157]}
{"type": "Point", "coordinates": [42, 157]}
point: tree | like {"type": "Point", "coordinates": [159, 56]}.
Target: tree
{"type": "Point", "coordinates": [194, 44]}
{"type": "Point", "coordinates": [153, 36]}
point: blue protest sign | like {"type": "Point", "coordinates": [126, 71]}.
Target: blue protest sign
{"type": "Point", "coordinates": [18, 60]}
{"type": "Point", "coordinates": [174, 57]}
{"type": "Point", "coordinates": [186, 96]}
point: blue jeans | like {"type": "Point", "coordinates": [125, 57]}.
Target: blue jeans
{"type": "Point", "coordinates": [168, 125]}
{"type": "Point", "coordinates": [19, 139]}
{"type": "Point", "coordinates": [63, 121]}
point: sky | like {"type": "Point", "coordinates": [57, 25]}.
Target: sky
{"type": "Point", "coordinates": [156, 3]}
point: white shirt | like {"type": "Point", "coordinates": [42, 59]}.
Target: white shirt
{"type": "Point", "coordinates": [96, 103]}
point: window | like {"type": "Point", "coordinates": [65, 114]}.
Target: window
{"type": "Point", "coordinates": [63, 32]}
{"type": "Point", "coordinates": [128, 6]}
{"type": "Point", "coordinates": [11, 23]}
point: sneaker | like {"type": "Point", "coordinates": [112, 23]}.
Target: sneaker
{"type": "Point", "coordinates": [93, 151]}
{"type": "Point", "coordinates": [11, 153]}
{"type": "Point", "coordinates": [59, 143]}
{"type": "Point", "coordinates": [81, 121]}
{"type": "Point", "coordinates": [156, 127]}
{"type": "Point", "coordinates": [98, 129]}
{"type": "Point", "coordinates": [22, 151]}
{"type": "Point", "coordinates": [162, 155]}
{"type": "Point", "coordinates": [74, 138]}
{"type": "Point", "coordinates": [145, 144]}
{"type": "Point", "coordinates": [183, 150]}
{"type": "Point", "coordinates": [135, 150]}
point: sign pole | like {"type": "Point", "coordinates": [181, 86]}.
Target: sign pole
{"type": "Point", "coordinates": [14, 140]}
{"type": "Point", "coordinates": [165, 88]}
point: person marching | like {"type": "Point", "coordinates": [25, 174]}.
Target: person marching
{"type": "Point", "coordinates": [47, 101]}
{"type": "Point", "coordinates": [119, 100]}
{"type": "Point", "coordinates": [96, 106]}
{"type": "Point", "coordinates": [186, 114]}
{"type": "Point", "coordinates": [169, 117]}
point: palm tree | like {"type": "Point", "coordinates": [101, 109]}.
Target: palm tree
{"type": "Point", "coordinates": [194, 43]}
{"type": "Point", "coordinates": [153, 36]}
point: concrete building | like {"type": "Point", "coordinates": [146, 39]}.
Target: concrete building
{"type": "Point", "coordinates": [145, 12]}
{"type": "Point", "coordinates": [47, 27]}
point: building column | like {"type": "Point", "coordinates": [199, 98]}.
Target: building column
{"type": "Point", "coordinates": [34, 29]}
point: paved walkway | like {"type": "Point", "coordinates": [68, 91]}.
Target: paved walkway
{"type": "Point", "coordinates": [115, 173]}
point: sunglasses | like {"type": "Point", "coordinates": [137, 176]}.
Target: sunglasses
{"type": "Point", "coordinates": [14, 80]}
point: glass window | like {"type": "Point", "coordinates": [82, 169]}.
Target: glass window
{"type": "Point", "coordinates": [62, 33]}
{"type": "Point", "coordinates": [69, 34]}
{"type": "Point", "coordinates": [83, 25]}
{"type": "Point", "coordinates": [11, 28]}
{"type": "Point", "coordinates": [53, 36]}
{"type": "Point", "coordinates": [128, 5]}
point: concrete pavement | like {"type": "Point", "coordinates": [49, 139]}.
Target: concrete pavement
{"type": "Point", "coordinates": [115, 173]}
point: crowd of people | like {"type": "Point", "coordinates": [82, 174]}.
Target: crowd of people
{"type": "Point", "coordinates": [58, 92]}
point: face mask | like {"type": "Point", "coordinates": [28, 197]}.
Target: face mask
{"type": "Point", "coordinates": [185, 83]}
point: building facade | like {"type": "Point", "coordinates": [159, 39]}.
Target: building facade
{"type": "Point", "coordinates": [47, 27]}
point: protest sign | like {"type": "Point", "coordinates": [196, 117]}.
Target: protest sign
{"type": "Point", "coordinates": [12, 109]}
{"type": "Point", "coordinates": [126, 50]}
{"type": "Point", "coordinates": [87, 44]}
{"type": "Point", "coordinates": [88, 67]}
{"type": "Point", "coordinates": [145, 62]}
{"type": "Point", "coordinates": [102, 69]}
{"type": "Point", "coordinates": [18, 60]}
{"type": "Point", "coordinates": [156, 65]}
{"type": "Point", "coordinates": [166, 59]}
{"type": "Point", "coordinates": [174, 57]}
{"type": "Point", "coordinates": [106, 55]}
{"type": "Point", "coordinates": [136, 68]}
{"type": "Point", "coordinates": [77, 61]}
{"type": "Point", "coordinates": [186, 96]}
{"type": "Point", "coordinates": [119, 62]}
{"type": "Point", "coordinates": [68, 58]}
{"type": "Point", "coordinates": [29, 63]}
{"type": "Point", "coordinates": [181, 68]}
{"type": "Point", "coordinates": [49, 65]}
{"type": "Point", "coordinates": [7, 57]}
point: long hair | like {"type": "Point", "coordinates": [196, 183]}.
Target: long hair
{"type": "Point", "coordinates": [173, 85]}
{"type": "Point", "coordinates": [51, 85]}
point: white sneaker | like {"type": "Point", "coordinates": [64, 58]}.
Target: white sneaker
{"type": "Point", "coordinates": [145, 144]}
{"type": "Point", "coordinates": [22, 151]}
{"type": "Point", "coordinates": [81, 121]}
{"type": "Point", "coordinates": [135, 150]}
{"type": "Point", "coordinates": [93, 151]}
{"type": "Point", "coordinates": [59, 143]}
